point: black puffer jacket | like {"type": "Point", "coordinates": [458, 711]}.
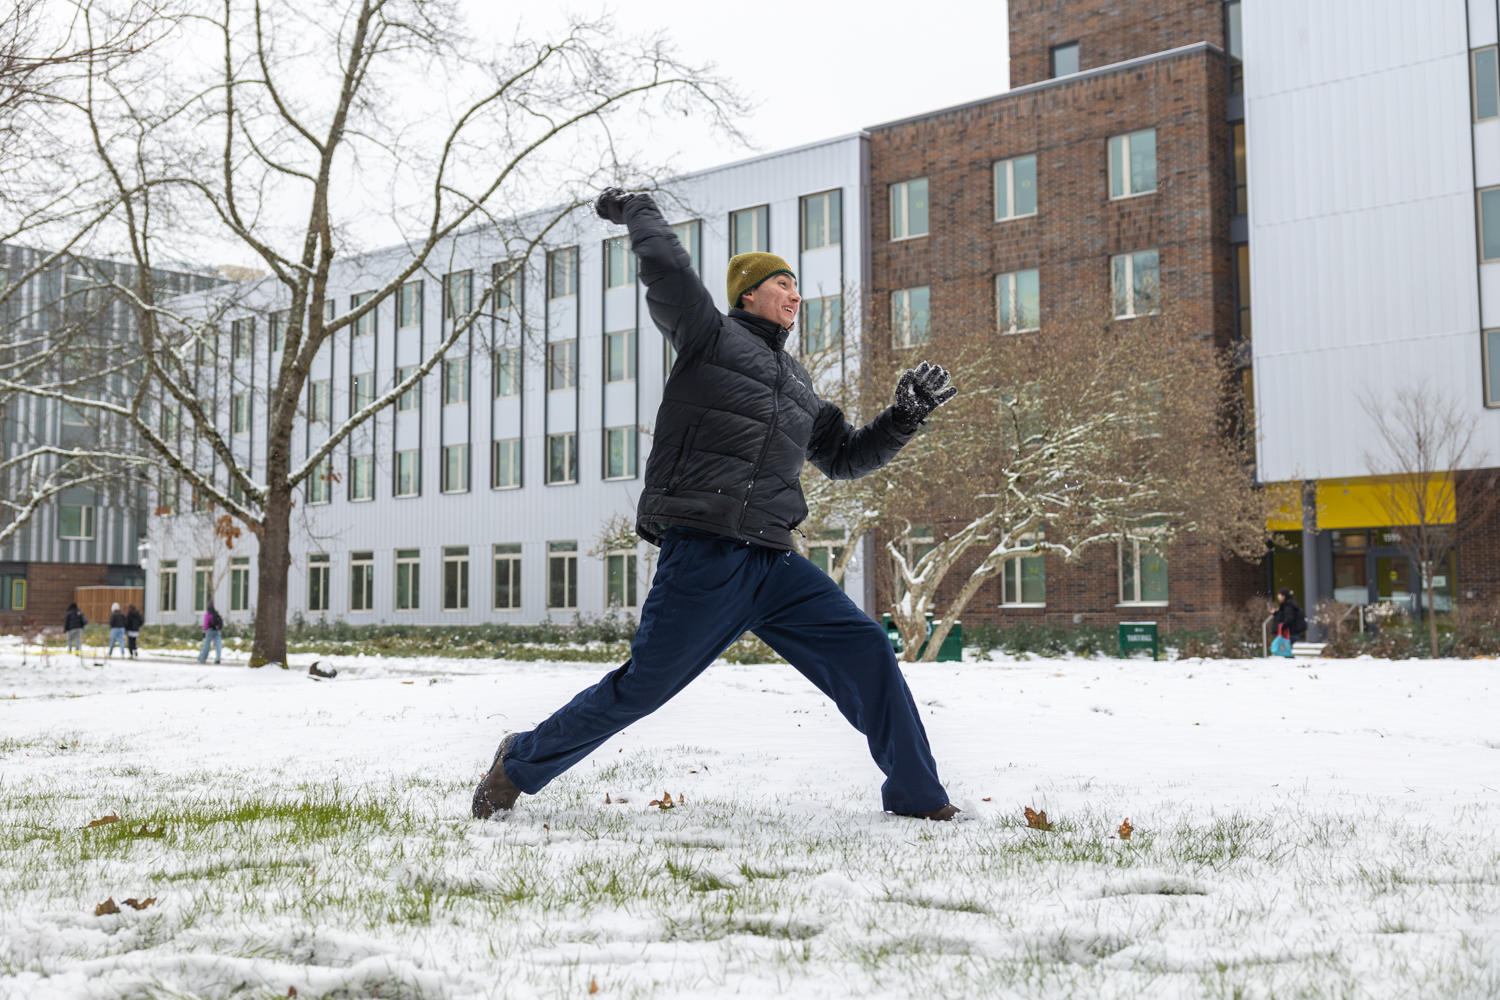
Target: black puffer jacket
{"type": "Point", "coordinates": [738, 416]}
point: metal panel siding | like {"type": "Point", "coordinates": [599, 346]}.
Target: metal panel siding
{"type": "Point", "coordinates": [1362, 215]}
{"type": "Point", "coordinates": [1482, 23]}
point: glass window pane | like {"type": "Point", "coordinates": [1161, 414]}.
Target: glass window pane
{"type": "Point", "coordinates": [1232, 29]}
{"type": "Point", "coordinates": [919, 314]}
{"type": "Point", "coordinates": [835, 200]}
{"type": "Point", "coordinates": [1146, 281]}
{"type": "Point", "coordinates": [916, 207]}
{"type": "Point", "coordinates": [898, 211]}
{"type": "Point", "coordinates": [1492, 356]}
{"type": "Point", "coordinates": [1028, 300]}
{"type": "Point", "coordinates": [1033, 572]}
{"type": "Point", "coordinates": [1489, 214]}
{"type": "Point", "coordinates": [1065, 60]}
{"type": "Point", "coordinates": [1153, 575]}
{"type": "Point", "coordinates": [1486, 85]}
{"type": "Point", "coordinates": [1127, 572]}
{"type": "Point", "coordinates": [814, 231]}
{"type": "Point", "coordinates": [1023, 172]}
{"type": "Point", "coordinates": [1005, 301]}
{"type": "Point", "coordinates": [1117, 167]}
{"type": "Point", "coordinates": [1002, 189]}
{"type": "Point", "coordinates": [1143, 162]}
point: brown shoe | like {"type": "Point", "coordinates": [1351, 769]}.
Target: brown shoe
{"type": "Point", "coordinates": [940, 815]}
{"type": "Point", "coordinates": [495, 791]}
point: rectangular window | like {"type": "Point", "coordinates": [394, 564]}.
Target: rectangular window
{"type": "Point", "coordinates": [320, 482]}
{"type": "Point", "coordinates": [1242, 291]}
{"type": "Point", "coordinates": [562, 458]}
{"type": "Point", "coordinates": [619, 349]}
{"type": "Point", "coordinates": [456, 578]}
{"type": "Point", "coordinates": [408, 473]}
{"type": "Point", "coordinates": [17, 586]}
{"type": "Point", "coordinates": [1235, 41]}
{"type": "Point", "coordinates": [361, 581]}
{"type": "Point", "coordinates": [460, 297]}
{"type": "Point", "coordinates": [278, 329]}
{"type": "Point", "coordinates": [619, 263]}
{"type": "Point", "coordinates": [562, 273]}
{"type": "Point", "coordinates": [239, 413]}
{"type": "Point", "coordinates": [361, 392]}
{"type": "Point", "coordinates": [365, 325]}
{"type": "Point", "coordinates": [203, 583]}
{"type": "Point", "coordinates": [1024, 580]}
{"type": "Point", "coordinates": [1241, 171]}
{"type": "Point", "coordinates": [690, 235]}
{"type": "Point", "coordinates": [750, 230]}
{"type": "Point", "coordinates": [1018, 301]}
{"type": "Point", "coordinates": [239, 583]}
{"type": "Point", "coordinates": [1492, 366]}
{"type": "Point", "coordinates": [619, 453]}
{"type": "Point", "coordinates": [1489, 224]}
{"type": "Point", "coordinates": [1486, 84]}
{"type": "Point", "coordinates": [507, 372]}
{"type": "Point", "coordinates": [240, 339]}
{"type": "Point", "coordinates": [166, 584]}
{"type": "Point", "coordinates": [75, 521]}
{"type": "Point", "coordinates": [822, 220]}
{"type": "Point", "coordinates": [508, 286]}
{"type": "Point", "coordinates": [620, 580]}
{"type": "Point", "coordinates": [505, 464]}
{"type": "Point", "coordinates": [362, 477]}
{"type": "Point", "coordinates": [455, 468]}
{"type": "Point", "coordinates": [1136, 282]}
{"type": "Point", "coordinates": [562, 575]}
{"type": "Point", "coordinates": [169, 424]}
{"type": "Point", "coordinates": [409, 306]}
{"type": "Point", "coordinates": [1143, 574]}
{"type": "Point", "coordinates": [826, 548]}
{"type": "Point", "coordinates": [909, 317]}
{"type": "Point", "coordinates": [909, 209]}
{"type": "Point", "coordinates": [408, 579]}
{"type": "Point", "coordinates": [562, 364]}
{"type": "Point", "coordinates": [411, 399]}
{"type": "Point", "coordinates": [319, 570]}
{"type": "Point", "coordinates": [1064, 59]}
{"type": "Point", "coordinates": [319, 401]}
{"type": "Point", "coordinates": [1015, 188]}
{"type": "Point", "coordinates": [822, 323]}
{"type": "Point", "coordinates": [166, 496]}
{"type": "Point", "coordinates": [1132, 164]}
{"type": "Point", "coordinates": [455, 381]}
{"type": "Point", "coordinates": [508, 577]}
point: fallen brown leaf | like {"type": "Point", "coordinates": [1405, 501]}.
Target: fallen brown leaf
{"type": "Point", "coordinates": [107, 907]}
{"type": "Point", "coordinates": [593, 985]}
{"type": "Point", "coordinates": [1125, 829]}
{"type": "Point", "coordinates": [985, 800]}
{"type": "Point", "coordinates": [140, 904]}
{"type": "Point", "coordinates": [291, 991]}
{"type": "Point", "coordinates": [104, 821]}
{"type": "Point", "coordinates": [606, 798]}
{"type": "Point", "coordinates": [1037, 820]}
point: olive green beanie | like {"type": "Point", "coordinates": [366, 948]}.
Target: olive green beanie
{"type": "Point", "coordinates": [748, 270]}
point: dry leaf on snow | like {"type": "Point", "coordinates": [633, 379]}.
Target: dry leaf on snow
{"type": "Point", "coordinates": [1037, 820]}
{"type": "Point", "coordinates": [1125, 829]}
{"type": "Point", "coordinates": [140, 904]}
{"type": "Point", "coordinates": [104, 821]}
{"type": "Point", "coordinates": [107, 907]}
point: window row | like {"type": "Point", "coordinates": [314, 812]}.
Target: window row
{"type": "Point", "coordinates": [1141, 574]}
{"type": "Point", "coordinates": [207, 578]}
{"type": "Point", "coordinates": [1135, 286]}
{"type": "Point", "coordinates": [1131, 169]}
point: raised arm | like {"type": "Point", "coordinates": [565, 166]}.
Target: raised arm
{"type": "Point", "coordinates": [682, 308]}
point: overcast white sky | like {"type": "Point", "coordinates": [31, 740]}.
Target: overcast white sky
{"type": "Point", "coordinates": [814, 68]}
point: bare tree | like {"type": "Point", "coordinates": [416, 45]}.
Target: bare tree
{"type": "Point", "coordinates": [1423, 438]}
{"type": "Point", "coordinates": [1094, 433]}
{"type": "Point", "coordinates": [312, 114]}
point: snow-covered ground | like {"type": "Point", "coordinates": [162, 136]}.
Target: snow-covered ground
{"type": "Point", "coordinates": [1301, 830]}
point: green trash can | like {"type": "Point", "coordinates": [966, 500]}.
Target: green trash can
{"type": "Point", "coordinates": [952, 650]}
{"type": "Point", "coordinates": [1136, 637]}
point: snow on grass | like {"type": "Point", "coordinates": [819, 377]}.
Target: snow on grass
{"type": "Point", "coordinates": [1301, 830]}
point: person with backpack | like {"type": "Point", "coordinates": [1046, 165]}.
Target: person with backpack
{"type": "Point", "coordinates": [133, 622]}
{"type": "Point", "coordinates": [116, 630]}
{"type": "Point", "coordinates": [73, 623]}
{"type": "Point", "coordinates": [213, 634]}
{"type": "Point", "coordinates": [1289, 621]}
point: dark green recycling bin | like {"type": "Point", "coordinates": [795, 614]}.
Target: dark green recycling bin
{"type": "Point", "coordinates": [951, 651]}
{"type": "Point", "coordinates": [1138, 637]}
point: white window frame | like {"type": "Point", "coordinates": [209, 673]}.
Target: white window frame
{"type": "Point", "coordinates": [1479, 213]}
{"type": "Point", "coordinates": [166, 585]}
{"type": "Point", "coordinates": [319, 565]}
{"type": "Point", "coordinates": [239, 583]}
{"type": "Point", "coordinates": [508, 556]}
{"type": "Point", "coordinates": [86, 522]}
{"type": "Point", "coordinates": [1134, 546]}
{"type": "Point", "coordinates": [901, 209]}
{"type": "Point", "coordinates": [365, 325]}
{"type": "Point", "coordinates": [833, 216]}
{"type": "Point", "coordinates": [1005, 181]}
{"type": "Point", "coordinates": [1128, 283]}
{"type": "Point", "coordinates": [361, 582]}
{"type": "Point", "coordinates": [319, 486]}
{"type": "Point", "coordinates": [627, 369]}
{"type": "Point", "coordinates": [829, 323]}
{"type": "Point", "coordinates": [1016, 565]}
{"type": "Point", "coordinates": [1007, 290]}
{"type": "Point", "coordinates": [1125, 141]}
{"type": "Point", "coordinates": [568, 370]}
{"type": "Point", "coordinates": [570, 455]}
{"type": "Point", "coordinates": [1474, 81]}
{"type": "Point", "coordinates": [408, 565]}
{"type": "Point", "coordinates": [278, 324]}
{"type": "Point", "coordinates": [563, 555]}
{"type": "Point", "coordinates": [903, 334]}
{"type": "Point", "coordinates": [455, 459]}
{"type": "Point", "coordinates": [628, 437]}
{"type": "Point", "coordinates": [509, 288]}
{"type": "Point", "coordinates": [361, 391]}
{"type": "Point", "coordinates": [619, 263]}
{"type": "Point", "coordinates": [629, 578]}
{"type": "Point", "coordinates": [456, 559]}
{"type": "Point", "coordinates": [455, 381]}
{"type": "Point", "coordinates": [411, 399]}
{"type": "Point", "coordinates": [409, 306]}
{"type": "Point", "coordinates": [241, 333]}
{"type": "Point", "coordinates": [690, 235]}
{"type": "Point", "coordinates": [828, 546]}
{"type": "Point", "coordinates": [506, 373]}
{"type": "Point", "coordinates": [361, 477]}
{"type": "Point", "coordinates": [239, 413]}
{"type": "Point", "coordinates": [465, 283]}
{"type": "Point", "coordinates": [498, 450]}
{"type": "Point", "coordinates": [759, 217]}
{"type": "Point", "coordinates": [320, 401]}
{"type": "Point", "coordinates": [567, 257]}
{"type": "Point", "coordinates": [413, 457]}
{"type": "Point", "coordinates": [203, 584]}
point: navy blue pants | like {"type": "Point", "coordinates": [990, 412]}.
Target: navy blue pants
{"type": "Point", "coordinates": [710, 590]}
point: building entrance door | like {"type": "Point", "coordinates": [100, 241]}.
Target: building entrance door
{"type": "Point", "coordinates": [1393, 581]}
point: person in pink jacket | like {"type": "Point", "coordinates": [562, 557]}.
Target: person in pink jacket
{"type": "Point", "coordinates": [213, 634]}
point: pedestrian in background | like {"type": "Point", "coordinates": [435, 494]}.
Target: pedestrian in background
{"type": "Point", "coordinates": [1289, 619]}
{"type": "Point", "coordinates": [213, 634]}
{"type": "Point", "coordinates": [133, 622]}
{"type": "Point", "coordinates": [116, 630]}
{"type": "Point", "coordinates": [73, 623]}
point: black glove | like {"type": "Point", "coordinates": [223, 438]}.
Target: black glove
{"type": "Point", "coordinates": [920, 391]}
{"type": "Point", "coordinates": [610, 206]}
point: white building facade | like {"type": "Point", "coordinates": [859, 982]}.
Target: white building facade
{"type": "Point", "coordinates": [487, 496]}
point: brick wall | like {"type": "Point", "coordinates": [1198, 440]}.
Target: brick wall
{"type": "Point", "coordinates": [1107, 31]}
{"type": "Point", "coordinates": [49, 591]}
{"type": "Point", "coordinates": [1478, 541]}
{"type": "Point", "coordinates": [1070, 239]}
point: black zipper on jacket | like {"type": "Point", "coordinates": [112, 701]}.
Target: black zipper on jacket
{"type": "Point", "coordinates": [770, 433]}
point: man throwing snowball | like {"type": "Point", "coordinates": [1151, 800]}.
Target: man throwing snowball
{"type": "Point", "coordinates": [722, 496]}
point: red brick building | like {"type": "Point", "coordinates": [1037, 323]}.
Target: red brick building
{"type": "Point", "coordinates": [1112, 155]}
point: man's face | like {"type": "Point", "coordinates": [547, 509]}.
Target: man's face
{"type": "Point", "coordinates": [775, 299]}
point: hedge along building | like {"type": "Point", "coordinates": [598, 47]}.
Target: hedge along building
{"type": "Point", "coordinates": [1374, 218]}
{"type": "Point", "coordinates": [486, 494]}
{"type": "Point", "coordinates": [1110, 165]}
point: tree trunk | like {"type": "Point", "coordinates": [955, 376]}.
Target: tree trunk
{"type": "Point", "coordinates": [275, 564]}
{"type": "Point", "coordinates": [1431, 614]}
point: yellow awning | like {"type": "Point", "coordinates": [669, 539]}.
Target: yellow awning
{"type": "Point", "coordinates": [1366, 502]}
